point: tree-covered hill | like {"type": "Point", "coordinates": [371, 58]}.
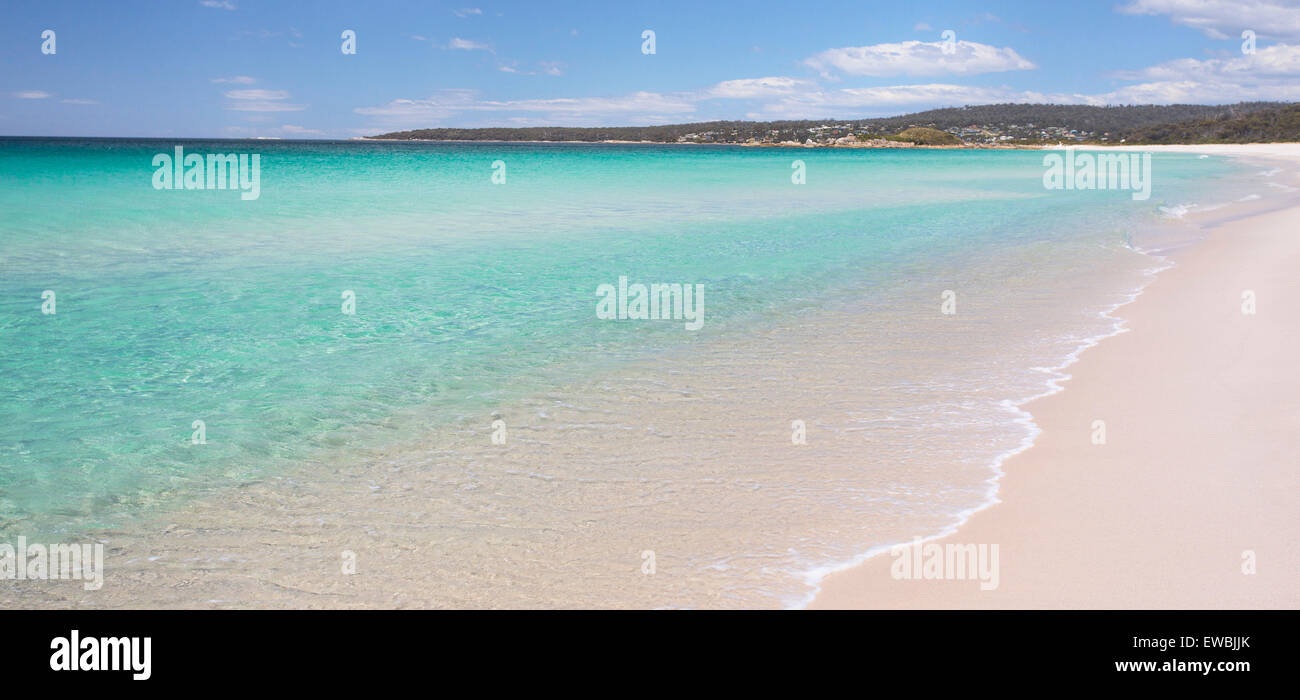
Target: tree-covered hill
{"type": "Point", "coordinates": [1280, 124]}
{"type": "Point", "coordinates": [999, 123]}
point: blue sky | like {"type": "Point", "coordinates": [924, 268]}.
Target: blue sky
{"type": "Point", "coordinates": [244, 68]}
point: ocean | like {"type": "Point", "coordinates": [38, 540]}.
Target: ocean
{"type": "Point", "coordinates": [396, 350]}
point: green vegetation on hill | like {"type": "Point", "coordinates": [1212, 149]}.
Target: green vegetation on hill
{"type": "Point", "coordinates": [923, 136]}
{"type": "Point", "coordinates": [1114, 119]}
{"type": "Point", "coordinates": [987, 124]}
{"type": "Point", "coordinates": [1267, 126]}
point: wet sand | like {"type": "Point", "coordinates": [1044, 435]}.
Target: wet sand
{"type": "Point", "coordinates": [1194, 486]}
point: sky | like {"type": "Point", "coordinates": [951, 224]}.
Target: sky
{"type": "Point", "coordinates": [276, 68]}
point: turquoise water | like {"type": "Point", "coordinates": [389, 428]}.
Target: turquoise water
{"type": "Point", "coordinates": [177, 306]}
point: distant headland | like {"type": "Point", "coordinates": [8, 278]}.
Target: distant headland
{"type": "Point", "coordinates": [984, 126]}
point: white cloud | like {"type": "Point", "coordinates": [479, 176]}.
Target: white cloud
{"type": "Point", "coordinates": [271, 131]}
{"type": "Point", "coordinates": [32, 94]}
{"type": "Point", "coordinates": [547, 67]}
{"type": "Point", "coordinates": [583, 106]}
{"type": "Point", "coordinates": [264, 107]}
{"type": "Point", "coordinates": [580, 111]}
{"type": "Point", "coordinates": [1225, 19]}
{"type": "Point", "coordinates": [792, 98]}
{"type": "Point", "coordinates": [256, 100]}
{"type": "Point", "coordinates": [748, 88]}
{"type": "Point", "coordinates": [467, 45]}
{"type": "Point", "coordinates": [1267, 63]}
{"type": "Point", "coordinates": [79, 101]}
{"type": "Point", "coordinates": [236, 79]}
{"type": "Point", "coordinates": [467, 12]}
{"type": "Point", "coordinates": [885, 100]}
{"type": "Point", "coordinates": [922, 27]}
{"type": "Point", "coordinates": [218, 4]}
{"type": "Point", "coordinates": [1273, 73]}
{"type": "Point", "coordinates": [256, 94]}
{"type": "Point", "coordinates": [917, 58]}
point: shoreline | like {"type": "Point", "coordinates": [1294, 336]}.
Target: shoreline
{"type": "Point", "coordinates": [1058, 376]}
{"type": "Point", "coordinates": [1260, 150]}
{"type": "Point", "coordinates": [269, 541]}
{"type": "Point", "coordinates": [763, 144]}
{"type": "Point", "coordinates": [1034, 485]}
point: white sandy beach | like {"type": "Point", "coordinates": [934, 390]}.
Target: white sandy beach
{"type": "Point", "coordinates": [1197, 476]}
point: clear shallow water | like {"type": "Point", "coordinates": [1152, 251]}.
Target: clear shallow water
{"type": "Point", "coordinates": [476, 300]}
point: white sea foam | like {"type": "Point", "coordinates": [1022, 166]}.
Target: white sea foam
{"type": "Point", "coordinates": [1180, 211]}
{"type": "Point", "coordinates": [1053, 383]}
